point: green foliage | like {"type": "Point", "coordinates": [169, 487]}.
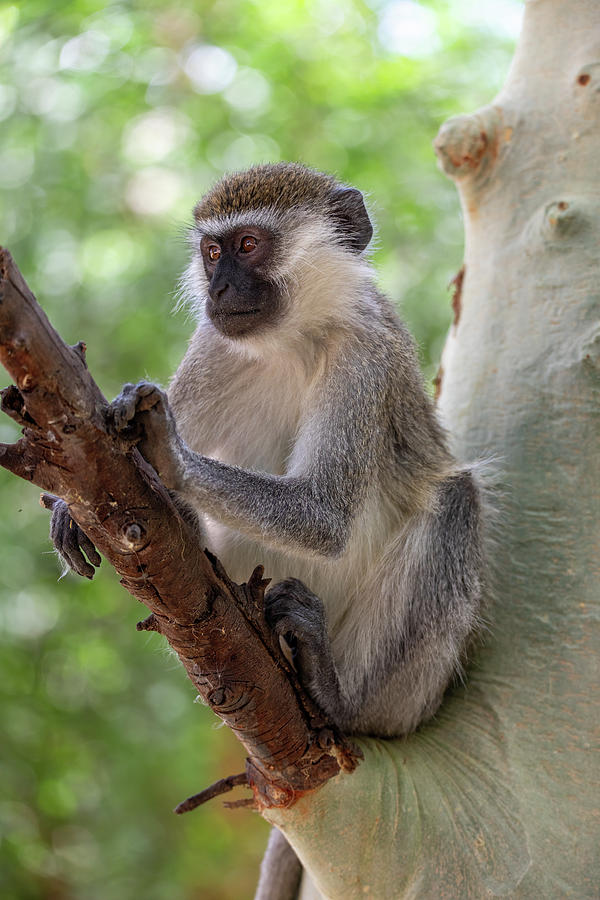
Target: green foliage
{"type": "Point", "coordinates": [114, 118]}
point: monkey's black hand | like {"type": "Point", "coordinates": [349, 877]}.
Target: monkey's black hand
{"type": "Point", "coordinates": [68, 538]}
{"type": "Point", "coordinates": [141, 414]}
{"type": "Point", "coordinates": [297, 616]}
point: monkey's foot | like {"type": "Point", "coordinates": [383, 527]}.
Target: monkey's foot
{"type": "Point", "coordinates": [297, 616]}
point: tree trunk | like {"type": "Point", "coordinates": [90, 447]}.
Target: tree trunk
{"type": "Point", "coordinates": [496, 797]}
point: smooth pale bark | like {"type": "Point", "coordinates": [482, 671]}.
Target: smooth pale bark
{"type": "Point", "coordinates": [499, 796]}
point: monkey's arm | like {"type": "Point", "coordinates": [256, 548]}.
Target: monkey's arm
{"type": "Point", "coordinates": [311, 507]}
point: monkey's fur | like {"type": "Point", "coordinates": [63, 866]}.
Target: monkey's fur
{"type": "Point", "coordinates": [298, 427]}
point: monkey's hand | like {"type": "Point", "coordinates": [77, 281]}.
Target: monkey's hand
{"type": "Point", "coordinates": [297, 617]}
{"type": "Point", "coordinates": [68, 538]}
{"type": "Point", "coordinates": [141, 414]}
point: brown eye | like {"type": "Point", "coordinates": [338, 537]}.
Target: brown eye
{"type": "Point", "coordinates": [214, 252]}
{"type": "Point", "coordinates": [248, 244]}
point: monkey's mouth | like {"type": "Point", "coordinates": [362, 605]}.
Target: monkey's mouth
{"type": "Point", "coordinates": [241, 316]}
{"type": "Point", "coordinates": [235, 322]}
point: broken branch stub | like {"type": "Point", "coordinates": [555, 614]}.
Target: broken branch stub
{"type": "Point", "coordinates": [216, 627]}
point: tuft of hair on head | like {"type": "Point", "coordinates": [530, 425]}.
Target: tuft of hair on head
{"type": "Point", "coordinates": [278, 186]}
{"type": "Point", "coordinates": [275, 189]}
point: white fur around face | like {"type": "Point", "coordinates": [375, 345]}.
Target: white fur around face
{"type": "Point", "coordinates": [219, 226]}
{"type": "Point", "coordinates": [320, 280]}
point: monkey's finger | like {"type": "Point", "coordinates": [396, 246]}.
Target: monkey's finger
{"type": "Point", "coordinates": [58, 529]}
{"type": "Point", "coordinates": [49, 501]}
{"type": "Point", "coordinates": [60, 518]}
{"type": "Point", "coordinates": [288, 628]}
{"type": "Point", "coordinates": [280, 610]}
{"type": "Point", "coordinates": [293, 594]}
{"type": "Point", "coordinates": [146, 389]}
{"type": "Point", "coordinates": [64, 534]}
{"type": "Point", "coordinates": [123, 408]}
{"type": "Point", "coordinates": [72, 552]}
{"type": "Point", "coordinates": [62, 525]}
{"type": "Point", "coordinates": [89, 549]}
{"type": "Point", "coordinates": [122, 411]}
{"type": "Point", "coordinates": [285, 605]}
{"type": "Point", "coordinates": [151, 402]}
{"type": "Point", "coordinates": [149, 396]}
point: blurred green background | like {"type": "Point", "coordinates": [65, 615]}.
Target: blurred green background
{"type": "Point", "coordinates": [114, 118]}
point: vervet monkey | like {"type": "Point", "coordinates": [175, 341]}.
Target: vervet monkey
{"type": "Point", "coordinates": [298, 428]}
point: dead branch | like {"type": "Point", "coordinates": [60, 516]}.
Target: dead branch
{"type": "Point", "coordinates": [216, 627]}
{"type": "Point", "coordinates": [223, 786]}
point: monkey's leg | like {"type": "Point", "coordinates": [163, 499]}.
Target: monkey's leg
{"type": "Point", "coordinates": [280, 870]}
{"type": "Point", "coordinates": [434, 573]}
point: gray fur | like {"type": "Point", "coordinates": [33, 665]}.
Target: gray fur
{"type": "Point", "coordinates": [280, 872]}
{"type": "Point", "coordinates": [332, 467]}
{"type": "Point", "coordinates": [310, 445]}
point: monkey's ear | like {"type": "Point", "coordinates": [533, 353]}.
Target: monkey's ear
{"type": "Point", "coordinates": [350, 215]}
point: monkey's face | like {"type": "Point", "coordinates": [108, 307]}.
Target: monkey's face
{"type": "Point", "coordinates": [241, 299]}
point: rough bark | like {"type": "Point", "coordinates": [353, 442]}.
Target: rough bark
{"type": "Point", "coordinates": [499, 795]}
{"type": "Point", "coordinates": [216, 627]}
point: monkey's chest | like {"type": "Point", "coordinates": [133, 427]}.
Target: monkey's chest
{"type": "Point", "coordinates": [257, 436]}
{"type": "Point", "coordinates": [257, 424]}
{"type": "Point", "coordinates": [248, 451]}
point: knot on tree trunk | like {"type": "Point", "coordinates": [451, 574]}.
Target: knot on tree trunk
{"type": "Point", "coordinates": [466, 145]}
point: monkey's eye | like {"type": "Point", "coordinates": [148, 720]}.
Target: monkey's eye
{"type": "Point", "coordinates": [248, 244]}
{"type": "Point", "coordinates": [214, 252]}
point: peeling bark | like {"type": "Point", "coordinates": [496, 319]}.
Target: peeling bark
{"type": "Point", "coordinates": [216, 627]}
{"type": "Point", "coordinates": [457, 284]}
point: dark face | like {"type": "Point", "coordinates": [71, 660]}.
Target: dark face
{"type": "Point", "coordinates": [240, 298]}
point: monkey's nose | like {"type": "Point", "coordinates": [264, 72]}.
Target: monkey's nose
{"type": "Point", "coordinates": [220, 290]}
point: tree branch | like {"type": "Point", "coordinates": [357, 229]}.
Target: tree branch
{"type": "Point", "coordinates": [216, 627]}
